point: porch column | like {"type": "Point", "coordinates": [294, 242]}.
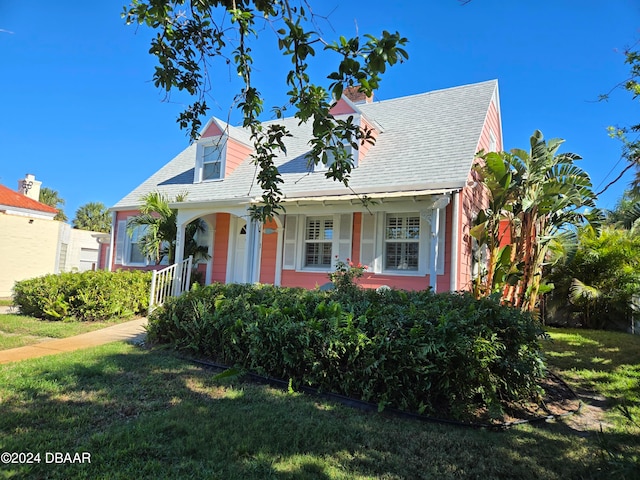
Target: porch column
{"type": "Point", "coordinates": [179, 256]}
{"type": "Point", "coordinates": [438, 204]}
{"type": "Point", "coordinates": [180, 234]}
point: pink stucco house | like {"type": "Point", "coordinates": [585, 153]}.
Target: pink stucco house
{"type": "Point", "coordinates": [414, 235]}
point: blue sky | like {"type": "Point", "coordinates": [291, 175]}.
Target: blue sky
{"type": "Point", "coordinates": [79, 110]}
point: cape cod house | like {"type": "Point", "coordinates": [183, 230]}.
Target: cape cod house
{"type": "Point", "coordinates": [418, 174]}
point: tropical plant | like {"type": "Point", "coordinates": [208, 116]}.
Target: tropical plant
{"type": "Point", "coordinates": [536, 198]}
{"type": "Point", "coordinates": [93, 216]}
{"type": "Point", "coordinates": [626, 213]}
{"type": "Point", "coordinates": [52, 198]}
{"type": "Point", "coordinates": [191, 35]}
{"type": "Point", "coordinates": [596, 286]}
{"type": "Point", "coordinates": [158, 222]}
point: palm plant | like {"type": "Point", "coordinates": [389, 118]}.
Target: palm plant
{"type": "Point", "coordinates": [536, 195]}
{"type": "Point", "coordinates": [52, 198]}
{"type": "Point", "coordinates": [596, 287]}
{"type": "Point", "coordinates": [93, 216]}
{"type": "Point", "coordinates": [159, 223]}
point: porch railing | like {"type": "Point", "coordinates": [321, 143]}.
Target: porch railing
{"type": "Point", "coordinates": [171, 281]}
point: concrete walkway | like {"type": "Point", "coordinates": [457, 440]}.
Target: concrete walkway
{"type": "Point", "coordinates": [133, 331]}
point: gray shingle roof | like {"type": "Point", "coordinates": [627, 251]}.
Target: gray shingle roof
{"type": "Point", "coordinates": [428, 142]}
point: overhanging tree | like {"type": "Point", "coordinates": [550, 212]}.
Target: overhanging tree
{"type": "Point", "coordinates": [190, 34]}
{"type": "Point", "coordinates": [538, 197]}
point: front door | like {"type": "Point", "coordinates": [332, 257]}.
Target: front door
{"type": "Point", "coordinates": [239, 256]}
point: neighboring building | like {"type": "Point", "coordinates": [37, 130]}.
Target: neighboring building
{"type": "Point", "coordinates": [32, 243]}
{"type": "Point", "coordinates": [414, 233]}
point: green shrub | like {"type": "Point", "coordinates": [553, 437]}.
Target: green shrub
{"type": "Point", "coordinates": [417, 351]}
{"type": "Point", "coordinates": [85, 296]}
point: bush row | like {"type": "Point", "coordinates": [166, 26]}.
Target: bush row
{"type": "Point", "coordinates": [416, 351]}
{"type": "Point", "coordinates": [90, 295]}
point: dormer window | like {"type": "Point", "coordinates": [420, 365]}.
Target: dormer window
{"type": "Point", "coordinates": [211, 154]}
{"type": "Point", "coordinates": [334, 141]}
{"type": "Point", "coordinates": [322, 167]}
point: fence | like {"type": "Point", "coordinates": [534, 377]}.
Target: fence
{"type": "Point", "coordinates": [170, 281]}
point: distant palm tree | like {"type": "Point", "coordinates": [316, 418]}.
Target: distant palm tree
{"type": "Point", "coordinates": [52, 198]}
{"type": "Point", "coordinates": [160, 230]}
{"type": "Point", "coordinates": [93, 216]}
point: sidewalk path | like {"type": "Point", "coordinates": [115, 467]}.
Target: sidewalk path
{"type": "Point", "coordinates": [133, 331]}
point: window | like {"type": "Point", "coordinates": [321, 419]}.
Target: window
{"type": "Point", "coordinates": [135, 255]}
{"type": "Point", "coordinates": [402, 242]}
{"type": "Point", "coordinates": [318, 241]}
{"type": "Point", "coordinates": [210, 159]}
{"type": "Point", "coordinates": [493, 143]}
{"type": "Point", "coordinates": [211, 162]}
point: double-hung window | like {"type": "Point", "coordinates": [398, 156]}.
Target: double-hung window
{"type": "Point", "coordinates": [134, 253]}
{"type": "Point", "coordinates": [210, 159]}
{"type": "Point", "coordinates": [402, 242]}
{"type": "Point", "coordinates": [318, 241]}
{"type": "Point", "coordinates": [211, 162]}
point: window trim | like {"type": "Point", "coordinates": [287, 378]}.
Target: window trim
{"type": "Point", "coordinates": [336, 243]}
{"type": "Point", "coordinates": [377, 264]}
{"type": "Point", "coordinates": [221, 142]}
{"type": "Point", "coordinates": [128, 245]}
{"type": "Point", "coordinates": [304, 242]}
{"type": "Point", "coordinates": [386, 241]}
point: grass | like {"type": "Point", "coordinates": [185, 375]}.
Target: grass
{"type": "Point", "coordinates": [6, 302]}
{"type": "Point", "coordinates": [19, 330]}
{"type": "Point", "coordinates": [148, 414]}
{"type": "Point", "coordinates": [607, 363]}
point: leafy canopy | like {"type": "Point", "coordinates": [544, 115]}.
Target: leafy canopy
{"type": "Point", "coordinates": [52, 198]}
{"type": "Point", "coordinates": [191, 34]}
{"type": "Point", "coordinates": [93, 216]}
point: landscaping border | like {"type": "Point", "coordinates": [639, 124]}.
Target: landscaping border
{"type": "Point", "coordinates": [372, 407]}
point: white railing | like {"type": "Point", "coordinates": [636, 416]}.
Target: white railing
{"type": "Point", "coordinates": [171, 281]}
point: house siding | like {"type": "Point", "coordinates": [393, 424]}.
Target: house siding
{"type": "Point", "coordinates": [221, 243]}
{"type": "Point", "coordinates": [269, 254]}
{"type": "Point", "coordinates": [236, 154]}
{"type": "Point", "coordinates": [474, 198]}
{"type": "Point", "coordinates": [27, 250]}
{"type": "Point", "coordinates": [363, 148]}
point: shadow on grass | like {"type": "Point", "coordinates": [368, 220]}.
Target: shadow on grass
{"type": "Point", "coordinates": [605, 362]}
{"type": "Point", "coordinates": [147, 414]}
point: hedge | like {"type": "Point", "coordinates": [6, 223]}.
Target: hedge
{"type": "Point", "coordinates": [416, 351]}
{"type": "Point", "coordinates": [86, 296]}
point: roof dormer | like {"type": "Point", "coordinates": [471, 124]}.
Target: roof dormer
{"type": "Point", "coordinates": [219, 151]}
{"type": "Point", "coordinates": [342, 110]}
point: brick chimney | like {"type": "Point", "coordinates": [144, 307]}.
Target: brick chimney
{"type": "Point", "coordinates": [356, 96]}
{"type": "Point", "coordinates": [29, 186]}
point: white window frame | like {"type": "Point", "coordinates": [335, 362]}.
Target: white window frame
{"type": "Point", "coordinates": [128, 248]}
{"type": "Point", "coordinates": [493, 141]}
{"type": "Point", "coordinates": [218, 142]}
{"type": "Point", "coordinates": [340, 239]}
{"type": "Point", "coordinates": [321, 240]}
{"type": "Point", "coordinates": [402, 239]}
{"type": "Point", "coordinates": [377, 263]}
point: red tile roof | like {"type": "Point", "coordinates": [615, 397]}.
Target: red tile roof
{"type": "Point", "coordinates": [11, 198]}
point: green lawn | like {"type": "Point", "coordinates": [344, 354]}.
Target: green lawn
{"type": "Point", "coordinates": [18, 330]}
{"type": "Point", "coordinates": [148, 414]}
